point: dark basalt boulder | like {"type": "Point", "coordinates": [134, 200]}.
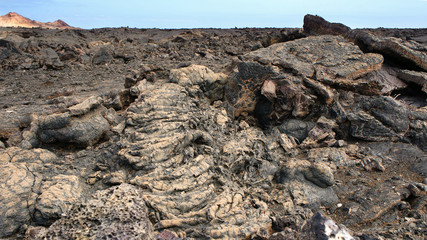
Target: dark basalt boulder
{"type": "Point", "coordinates": [316, 25]}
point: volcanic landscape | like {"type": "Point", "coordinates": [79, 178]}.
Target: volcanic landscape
{"type": "Point", "coordinates": [317, 132]}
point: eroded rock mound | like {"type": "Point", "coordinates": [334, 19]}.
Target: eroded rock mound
{"type": "Point", "coordinates": [83, 124]}
{"type": "Point", "coordinates": [296, 77]}
{"type": "Point", "coordinates": [169, 139]}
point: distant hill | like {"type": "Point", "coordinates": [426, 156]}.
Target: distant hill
{"type": "Point", "coordinates": [13, 19]}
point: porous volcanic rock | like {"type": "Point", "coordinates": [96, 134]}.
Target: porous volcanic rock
{"type": "Point", "coordinates": [118, 212]}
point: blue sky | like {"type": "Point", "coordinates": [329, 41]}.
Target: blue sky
{"type": "Point", "coordinates": [220, 13]}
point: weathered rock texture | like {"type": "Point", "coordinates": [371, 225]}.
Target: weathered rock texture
{"type": "Point", "coordinates": [83, 124]}
{"type": "Point", "coordinates": [25, 197]}
{"type": "Point", "coordinates": [168, 139]}
{"type": "Point", "coordinates": [407, 51]}
{"type": "Point", "coordinates": [115, 213]}
{"type": "Point", "coordinates": [419, 78]}
{"type": "Point", "coordinates": [296, 77]}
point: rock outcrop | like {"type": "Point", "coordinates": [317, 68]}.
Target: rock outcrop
{"type": "Point", "coordinates": [83, 124]}
{"type": "Point", "coordinates": [170, 140]}
{"type": "Point", "coordinates": [419, 78]}
{"type": "Point", "coordinates": [299, 75]}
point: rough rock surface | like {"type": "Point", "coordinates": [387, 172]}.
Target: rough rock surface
{"type": "Point", "coordinates": [82, 124]}
{"type": "Point", "coordinates": [17, 184]}
{"type": "Point", "coordinates": [419, 78]}
{"type": "Point", "coordinates": [408, 51]}
{"type": "Point", "coordinates": [115, 213]}
{"type": "Point", "coordinates": [299, 69]}
{"type": "Point", "coordinates": [57, 197]}
{"type": "Point", "coordinates": [164, 142]}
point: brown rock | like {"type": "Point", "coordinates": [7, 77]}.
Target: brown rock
{"type": "Point", "coordinates": [370, 204]}
{"type": "Point", "coordinates": [336, 56]}
{"type": "Point", "coordinates": [269, 90]}
{"type": "Point", "coordinates": [285, 74]}
{"type": "Point", "coordinates": [406, 51]}
{"type": "Point", "coordinates": [419, 78]}
{"type": "Point", "coordinates": [57, 198]}
{"type": "Point", "coordinates": [316, 25]}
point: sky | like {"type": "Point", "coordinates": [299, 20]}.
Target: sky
{"type": "Point", "coordinates": [221, 13]}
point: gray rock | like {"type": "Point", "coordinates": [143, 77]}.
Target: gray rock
{"type": "Point", "coordinates": [366, 127]}
{"type": "Point", "coordinates": [300, 71]}
{"type": "Point", "coordinates": [373, 163]}
{"type": "Point", "coordinates": [316, 25]}
{"type": "Point", "coordinates": [50, 59]}
{"type": "Point", "coordinates": [16, 196]}
{"type": "Point", "coordinates": [2, 145]}
{"type": "Point", "coordinates": [115, 178]}
{"type": "Point", "coordinates": [420, 165]}
{"type": "Point", "coordinates": [371, 203]}
{"type": "Point", "coordinates": [240, 91]}
{"type": "Point", "coordinates": [85, 107]}
{"type": "Point", "coordinates": [390, 112]}
{"type": "Point", "coordinates": [309, 184]}
{"type": "Point", "coordinates": [82, 124]}
{"type": "Point", "coordinates": [320, 174]}
{"type": "Point", "coordinates": [418, 134]}
{"type": "Point", "coordinates": [312, 196]}
{"type": "Point", "coordinates": [419, 78]}
{"type": "Point", "coordinates": [15, 139]}
{"type": "Point", "coordinates": [212, 84]}
{"type": "Point", "coordinates": [83, 132]}
{"type": "Point", "coordinates": [176, 161]}
{"type": "Point", "coordinates": [338, 156]}
{"type": "Point", "coordinates": [57, 197]}
{"type": "Point", "coordinates": [118, 212]}
{"type": "Point", "coordinates": [322, 134]}
{"type": "Point", "coordinates": [296, 128]}
{"type": "Point", "coordinates": [307, 55]}
{"type": "Point", "coordinates": [102, 56]}
{"type": "Point", "coordinates": [409, 51]}
{"type": "Point", "coordinates": [166, 235]}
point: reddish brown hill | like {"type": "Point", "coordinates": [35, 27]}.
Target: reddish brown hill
{"type": "Point", "coordinates": [13, 19]}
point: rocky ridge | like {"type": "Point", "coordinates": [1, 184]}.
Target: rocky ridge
{"type": "Point", "coordinates": [314, 133]}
